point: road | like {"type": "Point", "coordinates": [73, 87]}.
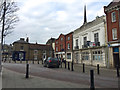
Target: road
{"type": "Point", "coordinates": [62, 74]}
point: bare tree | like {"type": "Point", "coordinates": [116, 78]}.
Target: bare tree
{"type": "Point", "coordinates": [8, 19]}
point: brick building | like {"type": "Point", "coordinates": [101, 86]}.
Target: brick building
{"type": "Point", "coordinates": [23, 50]}
{"type": "Point", "coordinates": [60, 46]}
{"type": "Point", "coordinates": [51, 42]}
{"type": "Point", "coordinates": [112, 12]}
{"type": "Point", "coordinates": [63, 46]}
{"type": "Point", "coordinates": [69, 46]}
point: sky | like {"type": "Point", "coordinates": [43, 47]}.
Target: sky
{"type": "Point", "coordinates": [42, 19]}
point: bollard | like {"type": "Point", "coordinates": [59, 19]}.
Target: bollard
{"type": "Point", "coordinates": [65, 64]}
{"type": "Point", "coordinates": [118, 71]}
{"type": "Point", "coordinates": [72, 66]}
{"type": "Point", "coordinates": [98, 71]}
{"type": "Point", "coordinates": [33, 61]}
{"type": "Point", "coordinates": [27, 70]}
{"type": "Point", "coordinates": [38, 61]}
{"type": "Point", "coordinates": [83, 68]}
{"type": "Point", "coordinates": [15, 61]}
{"type": "Point", "coordinates": [68, 66]}
{"type": "Point", "coordinates": [92, 80]}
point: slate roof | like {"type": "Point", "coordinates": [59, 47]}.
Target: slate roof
{"type": "Point", "coordinates": [39, 47]}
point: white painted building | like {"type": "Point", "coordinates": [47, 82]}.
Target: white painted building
{"type": "Point", "coordinates": [89, 43]}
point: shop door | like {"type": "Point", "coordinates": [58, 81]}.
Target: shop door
{"type": "Point", "coordinates": [116, 60]}
{"type": "Point", "coordinates": [116, 56]}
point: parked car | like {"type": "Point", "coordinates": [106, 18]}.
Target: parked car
{"type": "Point", "coordinates": [51, 62]}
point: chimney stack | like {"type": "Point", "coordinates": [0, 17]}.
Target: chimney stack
{"type": "Point", "coordinates": [27, 39]}
{"type": "Point", "coordinates": [85, 17]}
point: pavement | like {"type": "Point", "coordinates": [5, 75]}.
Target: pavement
{"type": "Point", "coordinates": [12, 79]}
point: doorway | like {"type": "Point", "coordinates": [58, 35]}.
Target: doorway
{"type": "Point", "coordinates": [116, 59]}
{"type": "Point", "coordinates": [116, 56]}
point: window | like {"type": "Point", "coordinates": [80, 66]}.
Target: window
{"type": "Point", "coordinates": [68, 38]}
{"type": "Point", "coordinates": [68, 55]}
{"type": "Point", "coordinates": [35, 51]}
{"type": "Point", "coordinates": [56, 48]}
{"type": "Point", "coordinates": [61, 46]}
{"type": "Point", "coordinates": [114, 33]}
{"type": "Point", "coordinates": [113, 15]}
{"type": "Point", "coordinates": [76, 42]}
{"type": "Point", "coordinates": [21, 56]}
{"type": "Point", "coordinates": [68, 46]}
{"type": "Point", "coordinates": [35, 57]}
{"type": "Point", "coordinates": [85, 40]}
{"type": "Point", "coordinates": [61, 39]}
{"type": "Point", "coordinates": [85, 55]}
{"type": "Point", "coordinates": [97, 55]}
{"type": "Point", "coordinates": [96, 37]}
{"type": "Point", "coordinates": [22, 48]}
{"type": "Point", "coordinates": [56, 42]}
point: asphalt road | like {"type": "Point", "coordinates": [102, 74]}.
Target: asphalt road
{"type": "Point", "coordinates": [62, 74]}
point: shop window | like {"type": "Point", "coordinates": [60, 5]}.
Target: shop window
{"type": "Point", "coordinates": [85, 55]}
{"type": "Point", "coordinates": [97, 55]}
{"type": "Point", "coordinates": [68, 55]}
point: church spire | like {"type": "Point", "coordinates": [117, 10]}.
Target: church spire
{"type": "Point", "coordinates": [85, 17]}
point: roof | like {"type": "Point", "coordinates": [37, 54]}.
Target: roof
{"type": "Point", "coordinates": [97, 21]}
{"type": "Point", "coordinates": [21, 41]}
{"type": "Point", "coordinates": [113, 4]}
{"type": "Point", "coordinates": [39, 46]}
{"type": "Point", "coordinates": [51, 40]}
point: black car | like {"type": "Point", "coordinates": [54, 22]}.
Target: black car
{"type": "Point", "coordinates": [51, 62]}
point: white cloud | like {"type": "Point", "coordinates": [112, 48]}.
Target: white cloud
{"type": "Point", "coordinates": [61, 15]}
{"type": "Point", "coordinates": [43, 19]}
